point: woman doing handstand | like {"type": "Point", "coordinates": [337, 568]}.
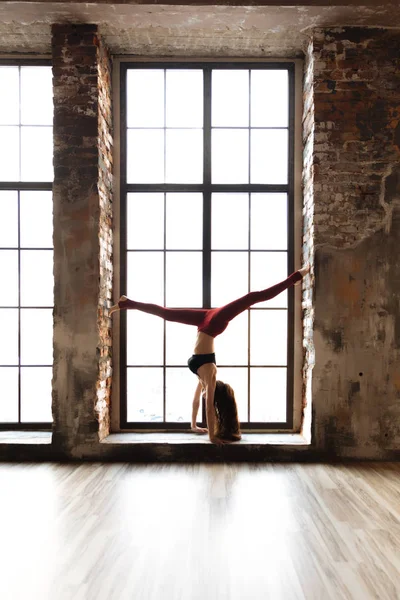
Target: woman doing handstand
{"type": "Point", "coordinates": [221, 410]}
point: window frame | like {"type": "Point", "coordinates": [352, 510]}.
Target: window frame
{"type": "Point", "coordinates": [22, 186]}
{"type": "Point", "coordinates": [292, 188]}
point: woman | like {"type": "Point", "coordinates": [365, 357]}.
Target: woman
{"type": "Point", "coordinates": [221, 411]}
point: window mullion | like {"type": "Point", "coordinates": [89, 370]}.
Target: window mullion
{"type": "Point", "coordinates": [207, 190]}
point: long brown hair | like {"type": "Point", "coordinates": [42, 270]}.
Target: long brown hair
{"type": "Point", "coordinates": [227, 426]}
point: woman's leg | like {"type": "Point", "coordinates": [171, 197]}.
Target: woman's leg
{"type": "Point", "coordinates": [229, 311]}
{"type": "Point", "coordinates": [187, 316]}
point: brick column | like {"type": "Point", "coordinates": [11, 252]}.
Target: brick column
{"type": "Point", "coordinates": [82, 237]}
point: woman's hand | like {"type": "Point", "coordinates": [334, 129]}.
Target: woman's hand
{"type": "Point", "coordinates": [196, 429]}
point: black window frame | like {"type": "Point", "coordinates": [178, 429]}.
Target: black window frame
{"type": "Point", "coordinates": [207, 188]}
{"type": "Point", "coordinates": [19, 187]}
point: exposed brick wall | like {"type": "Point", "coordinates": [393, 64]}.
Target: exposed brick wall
{"type": "Point", "coordinates": [356, 387]}
{"type": "Point", "coordinates": [82, 235]}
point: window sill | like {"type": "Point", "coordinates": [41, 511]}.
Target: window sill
{"type": "Point", "coordinates": [182, 438]}
{"type": "Point", "coordinates": [25, 437]}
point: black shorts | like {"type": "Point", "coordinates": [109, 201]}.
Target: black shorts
{"type": "Point", "coordinates": [197, 360]}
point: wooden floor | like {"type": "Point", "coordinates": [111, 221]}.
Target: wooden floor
{"type": "Point", "coordinates": [97, 531]}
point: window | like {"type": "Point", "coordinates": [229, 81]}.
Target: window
{"type": "Point", "coordinates": [206, 216]}
{"type": "Point", "coordinates": [26, 245]}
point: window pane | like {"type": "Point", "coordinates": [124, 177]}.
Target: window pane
{"type": "Point", "coordinates": [9, 219]}
{"type": "Point", "coordinates": [230, 156]}
{"type": "Point", "coordinates": [269, 98]}
{"type": "Point", "coordinates": [180, 387]}
{"type": "Point", "coordinates": [9, 154]}
{"type": "Point", "coordinates": [180, 340]}
{"type": "Point", "coordinates": [36, 96]}
{"type": "Point", "coordinates": [184, 156]}
{"type": "Point", "coordinates": [36, 394]}
{"type": "Point", "coordinates": [237, 379]}
{"type": "Point", "coordinates": [267, 269]}
{"type": "Point", "coordinates": [184, 279]}
{"type": "Point", "coordinates": [9, 96]}
{"type": "Point", "coordinates": [269, 156]}
{"type": "Point", "coordinates": [268, 222]}
{"type": "Point", "coordinates": [145, 156]}
{"type": "Point", "coordinates": [229, 276]}
{"type": "Point", "coordinates": [145, 98]}
{"type": "Point", "coordinates": [231, 347]}
{"type": "Point", "coordinates": [36, 219]}
{"type": "Point", "coordinates": [230, 222]}
{"type": "Point", "coordinates": [146, 277]}
{"type": "Point", "coordinates": [184, 98]}
{"type": "Point", "coordinates": [37, 282]}
{"type": "Point", "coordinates": [184, 221]}
{"type": "Point", "coordinates": [145, 228]}
{"type": "Point", "coordinates": [144, 339]}
{"type": "Point", "coordinates": [9, 395]}
{"type": "Point", "coordinates": [268, 395]}
{"type": "Point", "coordinates": [268, 337]}
{"type": "Point", "coordinates": [145, 394]}
{"type": "Point", "coordinates": [36, 337]}
{"type": "Point", "coordinates": [37, 154]}
{"type": "Point", "coordinates": [9, 337]}
{"type": "Point", "coordinates": [230, 98]}
{"type": "Point", "coordinates": [9, 277]}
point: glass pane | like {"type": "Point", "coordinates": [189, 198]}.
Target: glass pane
{"type": "Point", "coordinates": [184, 98]}
{"type": "Point", "coordinates": [230, 222]}
{"type": "Point", "coordinates": [145, 98]}
{"type": "Point", "coordinates": [230, 156]}
{"type": "Point", "coordinates": [230, 98]}
{"type": "Point", "coordinates": [37, 282]}
{"type": "Point", "coordinates": [184, 221]}
{"type": "Point", "coordinates": [9, 277]}
{"type": "Point", "coordinates": [9, 336]}
{"type": "Point", "coordinates": [180, 341]}
{"type": "Point", "coordinates": [145, 394]}
{"type": "Point", "coordinates": [145, 228]}
{"type": "Point", "coordinates": [267, 269]}
{"type": "Point", "coordinates": [268, 222]}
{"type": "Point", "coordinates": [36, 96]}
{"type": "Point", "coordinates": [36, 394]}
{"type": "Point", "coordinates": [184, 279]}
{"type": "Point", "coordinates": [269, 156]}
{"type": "Point", "coordinates": [9, 96]}
{"type": "Point", "coordinates": [145, 156]}
{"type": "Point", "coordinates": [144, 339]}
{"type": "Point", "coordinates": [9, 154]}
{"type": "Point", "coordinates": [237, 379]}
{"type": "Point", "coordinates": [179, 390]}
{"type": "Point", "coordinates": [229, 276]}
{"type": "Point", "coordinates": [268, 337]}
{"type": "Point", "coordinates": [146, 277]}
{"type": "Point", "coordinates": [231, 347]}
{"type": "Point", "coordinates": [37, 154]}
{"type": "Point", "coordinates": [9, 219]}
{"type": "Point", "coordinates": [9, 395]}
{"type": "Point", "coordinates": [269, 98]}
{"type": "Point", "coordinates": [268, 395]}
{"type": "Point", "coordinates": [184, 156]}
{"type": "Point", "coordinates": [36, 337]}
{"type": "Point", "coordinates": [36, 219]}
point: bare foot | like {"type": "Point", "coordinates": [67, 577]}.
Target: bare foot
{"type": "Point", "coordinates": [116, 307]}
{"type": "Point", "coordinates": [303, 272]}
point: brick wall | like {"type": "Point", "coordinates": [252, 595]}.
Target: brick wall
{"type": "Point", "coordinates": [356, 151]}
{"type": "Point", "coordinates": [82, 236]}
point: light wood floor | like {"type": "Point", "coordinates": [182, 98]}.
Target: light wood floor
{"type": "Point", "coordinates": [97, 531]}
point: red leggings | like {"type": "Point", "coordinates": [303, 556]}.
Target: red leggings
{"type": "Point", "coordinates": [212, 321]}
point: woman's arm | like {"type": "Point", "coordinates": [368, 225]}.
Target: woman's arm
{"type": "Point", "coordinates": [195, 409]}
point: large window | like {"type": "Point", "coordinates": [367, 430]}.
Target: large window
{"type": "Point", "coordinates": [26, 245]}
{"type": "Point", "coordinates": [207, 215]}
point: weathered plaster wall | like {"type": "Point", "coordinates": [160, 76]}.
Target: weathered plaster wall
{"type": "Point", "coordinates": [356, 378]}
{"type": "Point", "coordinates": [82, 236]}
